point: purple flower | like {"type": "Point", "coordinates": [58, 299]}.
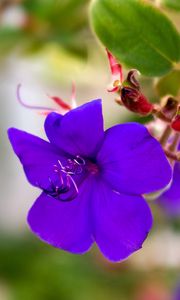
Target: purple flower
{"type": "Point", "coordinates": [170, 199]}
{"type": "Point", "coordinates": [176, 295]}
{"type": "Point", "coordinates": [91, 181]}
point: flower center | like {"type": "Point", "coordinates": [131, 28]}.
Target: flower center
{"type": "Point", "coordinates": [63, 184]}
{"type": "Point", "coordinates": [92, 167]}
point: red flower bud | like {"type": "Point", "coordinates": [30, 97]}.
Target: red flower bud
{"type": "Point", "coordinates": [175, 124]}
{"type": "Point", "coordinates": [135, 101]}
{"type": "Point", "coordinates": [169, 106]}
{"type": "Point", "coordinates": [131, 79]}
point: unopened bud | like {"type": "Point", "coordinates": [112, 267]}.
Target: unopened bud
{"type": "Point", "coordinates": [175, 124]}
{"type": "Point", "coordinates": [131, 79]}
{"type": "Point", "coordinates": [135, 101]}
{"type": "Point", "coordinates": [169, 106]}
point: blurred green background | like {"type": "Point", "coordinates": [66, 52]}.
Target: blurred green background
{"type": "Point", "coordinates": [45, 45]}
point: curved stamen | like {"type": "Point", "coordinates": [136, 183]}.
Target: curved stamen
{"type": "Point", "coordinates": [64, 183]}
{"type": "Point", "coordinates": [79, 160]}
{"type": "Point", "coordinates": [74, 183]}
{"type": "Point", "coordinates": [74, 166]}
{"type": "Point", "coordinates": [56, 191]}
{"type": "Point", "coordinates": [42, 108]}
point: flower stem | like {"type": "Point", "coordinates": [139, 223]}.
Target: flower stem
{"type": "Point", "coordinates": [163, 139]}
{"type": "Point", "coordinates": [175, 142]}
{"type": "Point", "coordinates": [171, 150]}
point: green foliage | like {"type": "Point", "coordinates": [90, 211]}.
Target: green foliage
{"type": "Point", "coordinates": [138, 34]}
{"type": "Point", "coordinates": [59, 13]}
{"type": "Point", "coordinates": [10, 38]}
{"type": "Point", "coordinates": [173, 4]}
{"type": "Point", "coordinates": [169, 84]}
{"type": "Point", "coordinates": [33, 270]}
{"type": "Point", "coordinates": [63, 23]}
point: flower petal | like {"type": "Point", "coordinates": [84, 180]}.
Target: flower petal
{"type": "Point", "coordinates": [170, 200]}
{"type": "Point", "coordinates": [132, 161]}
{"type": "Point", "coordinates": [36, 155]}
{"type": "Point", "coordinates": [121, 222]}
{"type": "Point", "coordinates": [64, 225]}
{"type": "Point", "coordinates": [78, 132]}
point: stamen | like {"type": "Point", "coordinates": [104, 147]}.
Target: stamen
{"type": "Point", "coordinates": [73, 96]}
{"type": "Point", "coordinates": [75, 185]}
{"type": "Point", "coordinates": [68, 182]}
{"type": "Point", "coordinates": [64, 107]}
{"type": "Point", "coordinates": [42, 108]}
{"type": "Point", "coordinates": [60, 102]}
{"type": "Point", "coordinates": [79, 160]}
{"type": "Point", "coordinates": [64, 187]}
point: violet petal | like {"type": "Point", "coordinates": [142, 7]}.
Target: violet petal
{"type": "Point", "coordinates": [36, 155]}
{"type": "Point", "coordinates": [170, 200]}
{"type": "Point", "coordinates": [121, 222]}
{"type": "Point", "coordinates": [78, 132]}
{"type": "Point", "coordinates": [132, 161]}
{"type": "Point", "coordinates": [65, 225]}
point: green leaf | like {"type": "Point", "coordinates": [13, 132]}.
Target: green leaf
{"type": "Point", "coordinates": [53, 22]}
{"type": "Point", "coordinates": [169, 84]}
{"type": "Point", "coordinates": [138, 34]}
{"type": "Point", "coordinates": [10, 39]}
{"type": "Point", "coordinates": [173, 4]}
